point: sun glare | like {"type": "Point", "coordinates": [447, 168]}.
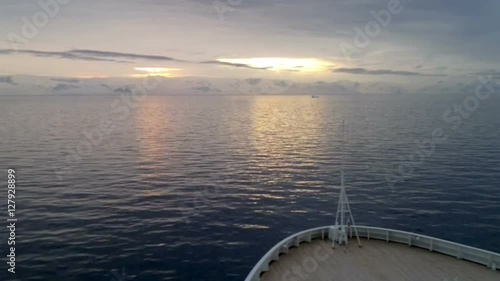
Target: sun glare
{"type": "Point", "coordinates": [159, 71]}
{"type": "Point", "coordinates": [283, 64]}
{"type": "Point", "coordinates": [88, 76]}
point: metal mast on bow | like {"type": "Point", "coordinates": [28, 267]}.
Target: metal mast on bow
{"type": "Point", "coordinates": [343, 226]}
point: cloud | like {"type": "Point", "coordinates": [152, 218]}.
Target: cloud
{"type": "Point", "coordinates": [206, 89]}
{"type": "Point", "coordinates": [365, 71]}
{"type": "Point", "coordinates": [440, 68]}
{"type": "Point", "coordinates": [63, 87]}
{"type": "Point", "coordinates": [124, 90]}
{"type": "Point", "coordinates": [488, 72]}
{"type": "Point", "coordinates": [68, 80]}
{"type": "Point", "coordinates": [61, 55]}
{"type": "Point", "coordinates": [105, 86]}
{"type": "Point", "coordinates": [449, 32]}
{"type": "Point", "coordinates": [253, 81]}
{"type": "Point", "coordinates": [234, 64]}
{"type": "Point", "coordinates": [7, 80]}
{"type": "Point", "coordinates": [105, 56]}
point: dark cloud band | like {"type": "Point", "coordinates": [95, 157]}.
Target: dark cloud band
{"type": "Point", "coordinates": [365, 71]}
{"type": "Point", "coordinates": [105, 56]}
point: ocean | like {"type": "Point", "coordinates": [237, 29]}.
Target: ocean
{"type": "Point", "coordinates": [201, 187]}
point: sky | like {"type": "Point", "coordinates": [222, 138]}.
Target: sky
{"type": "Point", "coordinates": [328, 40]}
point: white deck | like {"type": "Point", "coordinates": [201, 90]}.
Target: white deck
{"type": "Point", "coordinates": [376, 260]}
{"type": "Point", "coordinates": [386, 255]}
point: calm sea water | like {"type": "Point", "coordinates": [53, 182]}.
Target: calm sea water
{"type": "Point", "coordinates": [199, 188]}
